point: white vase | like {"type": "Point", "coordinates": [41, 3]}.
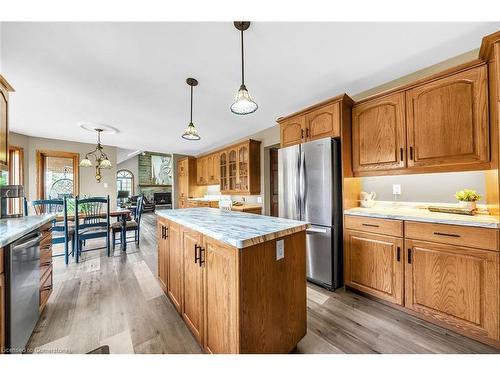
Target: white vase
{"type": "Point", "coordinates": [468, 205]}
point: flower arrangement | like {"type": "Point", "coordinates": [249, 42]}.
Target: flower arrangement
{"type": "Point", "coordinates": [467, 198]}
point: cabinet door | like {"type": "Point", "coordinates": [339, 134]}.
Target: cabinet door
{"type": "Point", "coordinates": [199, 172]}
{"type": "Point", "coordinates": [4, 130]}
{"type": "Point", "coordinates": [192, 310]}
{"type": "Point", "coordinates": [223, 176]}
{"type": "Point", "coordinates": [453, 285]}
{"type": "Point", "coordinates": [378, 134]}
{"type": "Point", "coordinates": [221, 296]}
{"type": "Point", "coordinates": [163, 253]}
{"type": "Point", "coordinates": [209, 172]}
{"type": "Point", "coordinates": [323, 122]}
{"type": "Point", "coordinates": [204, 170]}
{"type": "Point", "coordinates": [292, 131]}
{"type": "Point", "coordinates": [2, 312]}
{"type": "Point", "coordinates": [447, 121]}
{"type": "Point", "coordinates": [183, 181]}
{"type": "Point", "coordinates": [243, 168]}
{"type": "Point", "coordinates": [232, 169]}
{"type": "Point", "coordinates": [374, 265]}
{"type": "Point", "coordinates": [216, 169]}
{"type": "Point", "coordinates": [175, 266]}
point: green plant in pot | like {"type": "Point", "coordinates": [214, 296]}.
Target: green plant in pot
{"type": "Point", "coordinates": [467, 198]}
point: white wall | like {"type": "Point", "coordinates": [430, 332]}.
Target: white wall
{"type": "Point", "coordinates": [88, 184]}
{"type": "Point", "coordinates": [132, 165]}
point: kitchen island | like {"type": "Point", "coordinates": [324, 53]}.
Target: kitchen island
{"type": "Point", "coordinates": [237, 279]}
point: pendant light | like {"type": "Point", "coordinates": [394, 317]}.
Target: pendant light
{"type": "Point", "coordinates": [191, 133]}
{"type": "Point", "coordinates": [101, 159]}
{"type": "Point", "coordinates": [243, 103]}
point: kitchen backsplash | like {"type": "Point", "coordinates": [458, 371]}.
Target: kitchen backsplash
{"type": "Point", "coordinates": [432, 187]}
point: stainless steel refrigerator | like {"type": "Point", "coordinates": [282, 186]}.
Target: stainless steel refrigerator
{"type": "Point", "coordinates": [309, 189]}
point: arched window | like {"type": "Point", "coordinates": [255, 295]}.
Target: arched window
{"type": "Point", "coordinates": [125, 181]}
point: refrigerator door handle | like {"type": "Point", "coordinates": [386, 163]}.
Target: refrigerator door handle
{"type": "Point", "coordinates": [302, 183]}
{"type": "Point", "coordinates": [315, 230]}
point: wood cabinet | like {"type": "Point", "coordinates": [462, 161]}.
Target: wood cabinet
{"type": "Point", "coordinates": [192, 306]}
{"type": "Point", "coordinates": [224, 180]}
{"type": "Point", "coordinates": [435, 125]}
{"type": "Point", "coordinates": [163, 253]}
{"type": "Point", "coordinates": [319, 121]}
{"type": "Point", "coordinates": [378, 134]}
{"type": "Point", "coordinates": [5, 88]}
{"type": "Point", "coordinates": [175, 265]}
{"type": "Point", "coordinates": [46, 271]}
{"type": "Point", "coordinates": [447, 120]}
{"type": "Point", "coordinates": [221, 297]}
{"type": "Point", "coordinates": [186, 173]}
{"type": "Point", "coordinates": [208, 169]}
{"type": "Point", "coordinates": [374, 264]}
{"type": "Point", "coordinates": [454, 285]}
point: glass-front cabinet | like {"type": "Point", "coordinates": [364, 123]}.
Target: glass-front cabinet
{"type": "Point", "coordinates": [223, 171]}
{"type": "Point", "coordinates": [232, 168]}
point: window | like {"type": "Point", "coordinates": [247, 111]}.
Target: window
{"type": "Point", "coordinates": [125, 181]}
{"type": "Point", "coordinates": [57, 174]}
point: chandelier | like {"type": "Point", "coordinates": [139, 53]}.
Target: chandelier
{"type": "Point", "coordinates": [101, 159]}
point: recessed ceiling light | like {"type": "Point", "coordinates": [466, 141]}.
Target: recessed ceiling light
{"type": "Point", "coordinates": [93, 126]}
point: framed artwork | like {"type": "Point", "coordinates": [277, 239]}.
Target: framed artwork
{"type": "Point", "coordinates": [161, 169]}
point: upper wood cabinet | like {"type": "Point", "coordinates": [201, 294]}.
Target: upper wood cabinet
{"type": "Point", "coordinates": [454, 285]}
{"type": "Point", "coordinates": [374, 264]}
{"type": "Point", "coordinates": [447, 120]}
{"type": "Point", "coordinates": [186, 173]}
{"type": "Point", "coordinates": [224, 181]}
{"type": "Point", "coordinates": [378, 134]}
{"type": "Point", "coordinates": [319, 121]}
{"type": "Point", "coordinates": [5, 88]}
{"type": "Point", "coordinates": [436, 125]}
{"type": "Point", "coordinates": [208, 170]}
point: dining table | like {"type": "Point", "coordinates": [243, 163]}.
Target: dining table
{"type": "Point", "coordinates": [122, 214]}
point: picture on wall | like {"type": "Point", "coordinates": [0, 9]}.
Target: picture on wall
{"type": "Point", "coordinates": [161, 169]}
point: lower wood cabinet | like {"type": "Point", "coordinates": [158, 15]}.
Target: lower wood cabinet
{"type": "Point", "coordinates": [163, 253]}
{"type": "Point", "coordinates": [221, 297]}
{"type": "Point", "coordinates": [175, 265]}
{"type": "Point", "coordinates": [2, 311]}
{"type": "Point", "coordinates": [46, 276]}
{"type": "Point", "coordinates": [454, 285]}
{"type": "Point", "coordinates": [374, 264]}
{"type": "Point", "coordinates": [192, 276]}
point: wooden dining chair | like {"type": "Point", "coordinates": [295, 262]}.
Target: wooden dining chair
{"type": "Point", "coordinates": [94, 214]}
{"type": "Point", "coordinates": [131, 225]}
{"type": "Point", "coordinates": [63, 230]}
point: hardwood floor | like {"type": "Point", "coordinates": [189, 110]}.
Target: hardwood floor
{"type": "Point", "coordinates": [118, 302]}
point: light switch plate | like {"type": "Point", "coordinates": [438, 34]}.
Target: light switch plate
{"type": "Point", "coordinates": [259, 199]}
{"type": "Point", "coordinates": [396, 189]}
{"type": "Point", "coordinates": [105, 185]}
{"type": "Point", "coordinates": [280, 249]}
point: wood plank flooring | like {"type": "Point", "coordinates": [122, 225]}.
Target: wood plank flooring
{"type": "Point", "coordinates": [118, 302]}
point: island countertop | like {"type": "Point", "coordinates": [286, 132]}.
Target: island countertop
{"type": "Point", "coordinates": [237, 229]}
{"type": "Point", "coordinates": [13, 229]}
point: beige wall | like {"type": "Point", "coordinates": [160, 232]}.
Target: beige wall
{"type": "Point", "coordinates": [88, 184]}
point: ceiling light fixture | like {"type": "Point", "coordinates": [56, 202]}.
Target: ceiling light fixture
{"type": "Point", "coordinates": [191, 134]}
{"type": "Point", "coordinates": [101, 159]}
{"type": "Point", "coordinates": [243, 103]}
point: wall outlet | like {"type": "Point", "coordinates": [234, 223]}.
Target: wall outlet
{"type": "Point", "coordinates": [396, 189]}
{"type": "Point", "coordinates": [259, 199]}
{"type": "Point", "coordinates": [280, 249]}
{"type": "Point", "coordinates": [105, 185]}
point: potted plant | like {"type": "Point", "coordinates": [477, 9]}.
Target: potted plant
{"type": "Point", "coordinates": [467, 198]}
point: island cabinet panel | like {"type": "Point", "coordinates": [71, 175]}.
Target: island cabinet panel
{"type": "Point", "coordinates": [175, 265]}
{"type": "Point", "coordinates": [192, 306]}
{"type": "Point", "coordinates": [447, 121]}
{"type": "Point", "coordinates": [163, 252]}
{"type": "Point", "coordinates": [323, 122]}
{"type": "Point", "coordinates": [273, 296]}
{"type": "Point", "coordinates": [374, 265]}
{"type": "Point", "coordinates": [221, 297]}
{"type": "Point", "coordinates": [293, 131]}
{"type": "Point", "coordinates": [46, 277]}
{"type": "Point", "coordinates": [453, 285]}
{"type": "Point", "coordinates": [378, 134]}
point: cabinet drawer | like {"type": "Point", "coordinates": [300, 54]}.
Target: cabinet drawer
{"type": "Point", "coordinates": [46, 253]}
{"type": "Point", "coordinates": [45, 290]}
{"type": "Point", "coordinates": [374, 225]}
{"type": "Point", "coordinates": [482, 238]}
{"type": "Point", "coordinates": [45, 269]}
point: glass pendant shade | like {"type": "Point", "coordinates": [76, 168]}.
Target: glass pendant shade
{"type": "Point", "coordinates": [243, 103]}
{"type": "Point", "coordinates": [86, 163]}
{"type": "Point", "coordinates": [191, 133]}
{"type": "Point", "coordinates": [105, 164]}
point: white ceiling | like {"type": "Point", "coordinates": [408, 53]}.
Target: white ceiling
{"type": "Point", "coordinates": [132, 75]}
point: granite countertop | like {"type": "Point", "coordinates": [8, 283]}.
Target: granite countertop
{"type": "Point", "coordinates": [237, 229]}
{"type": "Point", "coordinates": [13, 229]}
{"type": "Point", "coordinates": [422, 214]}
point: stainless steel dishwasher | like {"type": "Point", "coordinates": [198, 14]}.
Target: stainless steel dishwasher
{"type": "Point", "coordinates": [22, 260]}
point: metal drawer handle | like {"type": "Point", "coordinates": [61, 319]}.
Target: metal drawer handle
{"type": "Point", "coordinates": [446, 234]}
{"type": "Point", "coordinates": [409, 256]}
{"type": "Point", "coordinates": [201, 260]}
{"type": "Point", "coordinates": [196, 257]}
{"type": "Point", "coordinates": [398, 254]}
{"type": "Point", "coordinates": [370, 225]}
{"type": "Point", "coordinates": [45, 288]}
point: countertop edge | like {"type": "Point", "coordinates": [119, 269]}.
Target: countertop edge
{"type": "Point", "coordinates": [7, 241]}
{"type": "Point", "coordinates": [422, 219]}
{"type": "Point", "coordinates": [237, 244]}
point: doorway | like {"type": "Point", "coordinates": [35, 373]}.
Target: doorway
{"type": "Point", "coordinates": [273, 169]}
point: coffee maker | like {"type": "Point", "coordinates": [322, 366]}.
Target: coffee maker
{"type": "Point", "coordinates": [8, 195]}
